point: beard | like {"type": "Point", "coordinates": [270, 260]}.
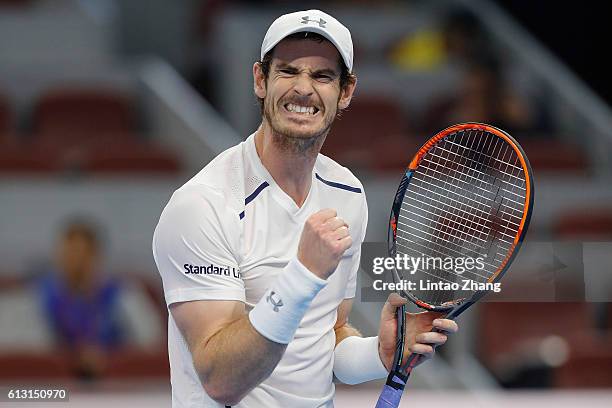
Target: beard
{"type": "Point", "coordinates": [289, 140]}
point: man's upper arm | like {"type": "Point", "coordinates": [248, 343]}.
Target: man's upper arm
{"type": "Point", "coordinates": [200, 320]}
{"type": "Point", "coordinates": [194, 246]}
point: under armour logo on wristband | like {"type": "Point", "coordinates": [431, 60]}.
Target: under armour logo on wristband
{"type": "Point", "coordinates": [306, 20]}
{"type": "Point", "coordinates": [277, 302]}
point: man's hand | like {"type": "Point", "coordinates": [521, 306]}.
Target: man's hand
{"type": "Point", "coordinates": [324, 239]}
{"type": "Point", "coordinates": [419, 338]}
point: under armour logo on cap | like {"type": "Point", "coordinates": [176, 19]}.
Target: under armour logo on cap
{"type": "Point", "coordinates": [306, 20]}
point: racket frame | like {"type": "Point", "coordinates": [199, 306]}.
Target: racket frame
{"type": "Point", "coordinates": [454, 310]}
{"type": "Point", "coordinates": [401, 370]}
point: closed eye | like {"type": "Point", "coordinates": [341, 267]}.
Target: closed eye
{"type": "Point", "coordinates": [287, 71]}
{"type": "Point", "coordinates": [323, 77]}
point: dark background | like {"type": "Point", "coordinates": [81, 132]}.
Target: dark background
{"type": "Point", "coordinates": [579, 33]}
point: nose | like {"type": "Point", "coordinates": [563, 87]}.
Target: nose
{"type": "Point", "coordinates": [303, 85]}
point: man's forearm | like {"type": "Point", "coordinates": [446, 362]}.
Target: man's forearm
{"type": "Point", "coordinates": [235, 360]}
{"type": "Point", "coordinates": [243, 353]}
{"type": "Point", "coordinates": [356, 359]}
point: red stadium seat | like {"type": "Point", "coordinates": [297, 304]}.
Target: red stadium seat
{"type": "Point", "coordinates": [83, 111]}
{"type": "Point", "coordinates": [93, 131]}
{"type": "Point", "coordinates": [555, 155]}
{"type": "Point", "coordinates": [27, 159]}
{"type": "Point", "coordinates": [138, 364]}
{"type": "Point", "coordinates": [505, 325]}
{"type": "Point", "coordinates": [589, 364]}
{"type": "Point", "coordinates": [394, 153]}
{"type": "Point", "coordinates": [119, 158]}
{"type": "Point", "coordinates": [370, 134]}
{"type": "Point", "coordinates": [131, 158]}
{"type": "Point", "coordinates": [15, 366]}
{"type": "Point", "coordinates": [511, 337]}
{"type": "Point", "coordinates": [6, 118]}
{"type": "Point", "coordinates": [84, 139]}
{"type": "Point", "coordinates": [584, 224]}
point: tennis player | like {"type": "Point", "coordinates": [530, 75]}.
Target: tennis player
{"type": "Point", "coordinates": [259, 251]}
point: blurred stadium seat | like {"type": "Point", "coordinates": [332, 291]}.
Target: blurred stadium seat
{"type": "Point", "coordinates": [555, 156]}
{"type": "Point", "coordinates": [27, 159]}
{"type": "Point", "coordinates": [131, 158]}
{"type": "Point", "coordinates": [43, 159]}
{"type": "Point", "coordinates": [371, 134]}
{"type": "Point", "coordinates": [580, 353]}
{"type": "Point", "coordinates": [589, 364]}
{"type": "Point", "coordinates": [6, 118]}
{"type": "Point", "coordinates": [584, 224]}
{"type": "Point", "coordinates": [28, 365]}
{"type": "Point", "coordinates": [64, 112]}
{"type": "Point", "coordinates": [530, 321]}
{"type": "Point", "coordinates": [138, 364]}
{"type": "Point", "coordinates": [512, 336]}
{"type": "Point", "coordinates": [83, 130]}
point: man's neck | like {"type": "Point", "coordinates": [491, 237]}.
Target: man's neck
{"type": "Point", "coordinates": [291, 171]}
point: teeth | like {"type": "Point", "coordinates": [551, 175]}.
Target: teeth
{"type": "Point", "coordinates": [301, 109]}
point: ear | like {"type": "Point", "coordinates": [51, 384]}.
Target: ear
{"type": "Point", "coordinates": [259, 82]}
{"type": "Point", "coordinates": [347, 93]}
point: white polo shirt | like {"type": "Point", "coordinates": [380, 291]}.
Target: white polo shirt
{"type": "Point", "coordinates": [225, 235]}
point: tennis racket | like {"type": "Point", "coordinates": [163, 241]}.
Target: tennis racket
{"type": "Point", "coordinates": [467, 194]}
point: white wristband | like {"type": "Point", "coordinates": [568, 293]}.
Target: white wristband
{"type": "Point", "coordinates": [356, 360]}
{"type": "Point", "coordinates": [279, 312]}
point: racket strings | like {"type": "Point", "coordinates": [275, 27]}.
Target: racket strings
{"type": "Point", "coordinates": [465, 199]}
{"type": "Point", "coordinates": [480, 199]}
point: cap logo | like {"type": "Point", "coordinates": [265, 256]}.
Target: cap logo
{"type": "Point", "coordinates": [320, 21]}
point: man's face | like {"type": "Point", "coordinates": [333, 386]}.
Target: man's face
{"type": "Point", "coordinates": [302, 94]}
{"type": "Point", "coordinates": [77, 256]}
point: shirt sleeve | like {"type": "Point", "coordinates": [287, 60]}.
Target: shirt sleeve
{"type": "Point", "coordinates": [194, 248]}
{"type": "Point", "coordinates": [351, 286]}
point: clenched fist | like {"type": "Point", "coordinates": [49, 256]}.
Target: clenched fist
{"type": "Point", "coordinates": [324, 239]}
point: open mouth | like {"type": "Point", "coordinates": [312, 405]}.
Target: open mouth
{"type": "Point", "coordinates": [301, 110]}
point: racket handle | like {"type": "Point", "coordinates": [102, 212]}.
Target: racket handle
{"type": "Point", "coordinates": [392, 391]}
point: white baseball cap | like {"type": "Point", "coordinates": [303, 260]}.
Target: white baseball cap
{"type": "Point", "coordinates": [314, 21]}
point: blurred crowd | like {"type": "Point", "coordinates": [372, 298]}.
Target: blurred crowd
{"type": "Point", "coordinates": [74, 310]}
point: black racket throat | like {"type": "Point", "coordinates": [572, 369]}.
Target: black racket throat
{"type": "Point", "coordinates": [401, 332]}
{"type": "Point", "coordinates": [394, 376]}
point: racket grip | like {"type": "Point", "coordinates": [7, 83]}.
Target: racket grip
{"type": "Point", "coordinates": [392, 391]}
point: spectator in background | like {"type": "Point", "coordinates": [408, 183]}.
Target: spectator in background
{"type": "Point", "coordinates": [483, 96]}
{"type": "Point", "coordinates": [457, 40]}
{"type": "Point", "coordinates": [80, 302]}
{"type": "Point", "coordinates": [74, 316]}
{"type": "Point", "coordinates": [464, 37]}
